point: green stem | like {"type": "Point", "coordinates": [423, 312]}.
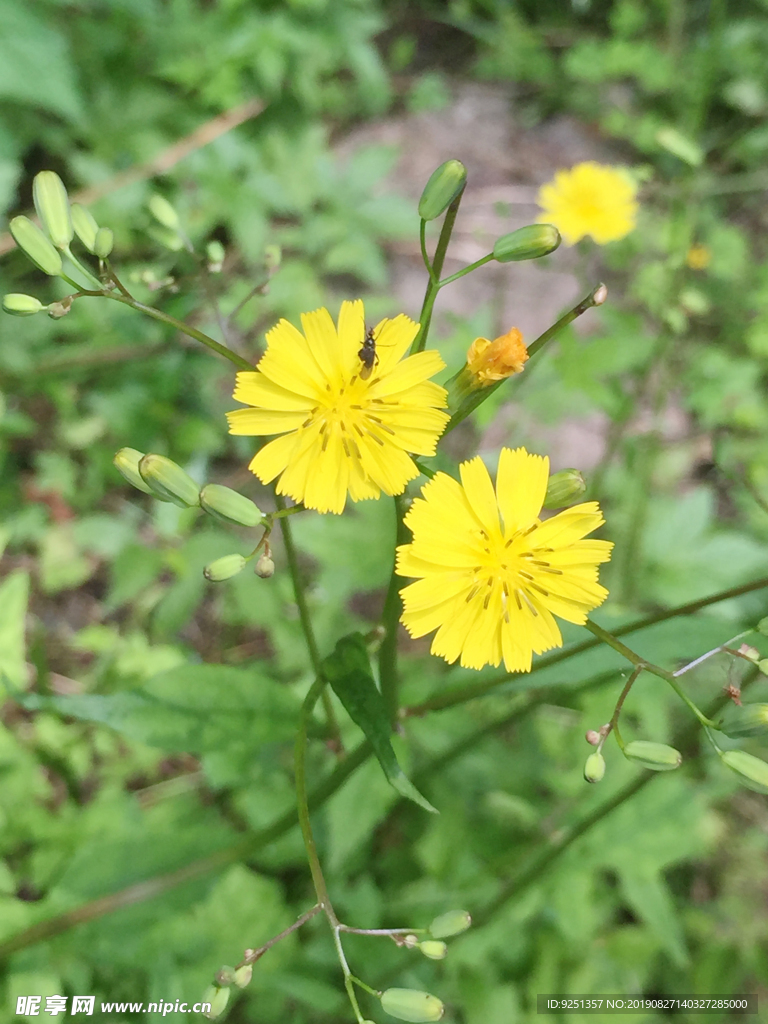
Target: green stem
{"type": "Point", "coordinates": [388, 678]}
{"type": "Point", "coordinates": [613, 725]}
{"type": "Point", "coordinates": [424, 253]}
{"type": "Point", "coordinates": [466, 270]}
{"type": "Point", "coordinates": [433, 286]}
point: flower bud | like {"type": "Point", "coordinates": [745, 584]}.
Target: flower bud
{"type": "Point", "coordinates": [752, 769]}
{"type": "Point", "coordinates": [225, 975]}
{"type": "Point", "coordinates": [224, 568]}
{"type": "Point", "coordinates": [745, 720]}
{"type": "Point", "coordinates": [169, 482]}
{"type": "Point", "coordinates": [528, 243]}
{"type": "Point", "coordinates": [243, 975]}
{"type": "Point", "coordinates": [410, 941]}
{"type": "Point", "coordinates": [56, 310]}
{"type": "Point", "coordinates": [599, 295]}
{"type": "Point", "coordinates": [218, 998]}
{"type": "Point", "coordinates": [412, 1005]}
{"type": "Point", "coordinates": [491, 361]}
{"type": "Point", "coordinates": [442, 188]}
{"type": "Point", "coordinates": [656, 756]}
{"type": "Point", "coordinates": [85, 225]}
{"type": "Point", "coordinates": [593, 737]}
{"type": "Point", "coordinates": [52, 205]}
{"type": "Point", "coordinates": [126, 461]}
{"type": "Point", "coordinates": [102, 244]}
{"type": "Point", "coordinates": [434, 949]}
{"type": "Point", "coordinates": [563, 488]}
{"type": "Point", "coordinates": [228, 506]}
{"type": "Point", "coordinates": [35, 245]}
{"type": "Point", "coordinates": [163, 212]}
{"type": "Point", "coordinates": [594, 769]}
{"type": "Point", "coordinates": [215, 253]}
{"type": "Point", "coordinates": [762, 626]}
{"type": "Point", "coordinates": [452, 923]}
{"type": "Point", "coordinates": [264, 567]}
{"type": "Point", "coordinates": [763, 666]}
{"type": "Point", "coordinates": [18, 304]}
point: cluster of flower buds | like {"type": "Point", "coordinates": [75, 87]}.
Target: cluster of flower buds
{"type": "Point", "coordinates": [218, 993]}
{"type": "Point", "coordinates": [657, 757]}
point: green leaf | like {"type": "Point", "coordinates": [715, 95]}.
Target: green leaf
{"type": "Point", "coordinates": [349, 673]}
{"type": "Point", "coordinates": [13, 601]}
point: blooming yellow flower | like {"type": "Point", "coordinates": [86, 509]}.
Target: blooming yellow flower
{"type": "Point", "coordinates": [342, 431]}
{"type": "Point", "coordinates": [491, 574]}
{"type": "Point", "coordinates": [590, 199]}
{"type": "Point", "coordinates": [490, 361]}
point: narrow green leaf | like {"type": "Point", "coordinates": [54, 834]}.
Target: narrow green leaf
{"type": "Point", "coordinates": [13, 601]}
{"type": "Point", "coordinates": [348, 671]}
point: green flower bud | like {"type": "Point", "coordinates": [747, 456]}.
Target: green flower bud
{"type": "Point", "coordinates": [762, 626]}
{"type": "Point", "coordinates": [434, 949]}
{"type": "Point", "coordinates": [273, 256]}
{"type": "Point", "coordinates": [228, 506]}
{"type": "Point", "coordinates": [224, 568]}
{"type": "Point", "coordinates": [746, 720]}
{"type": "Point", "coordinates": [35, 245]}
{"type": "Point", "coordinates": [126, 461]}
{"type": "Point", "coordinates": [264, 567]}
{"type": "Point", "coordinates": [163, 212]}
{"type": "Point", "coordinates": [18, 304]}
{"type": "Point", "coordinates": [218, 998]}
{"type": "Point", "coordinates": [442, 188]}
{"type": "Point", "coordinates": [225, 975]}
{"type": "Point", "coordinates": [594, 769]}
{"type": "Point", "coordinates": [85, 225]}
{"type": "Point", "coordinates": [751, 769]}
{"type": "Point", "coordinates": [452, 923]}
{"type": "Point", "coordinates": [528, 243]}
{"type": "Point", "coordinates": [564, 488]}
{"type": "Point", "coordinates": [412, 1005]}
{"type": "Point", "coordinates": [763, 666]}
{"type": "Point", "coordinates": [102, 244]}
{"type": "Point", "coordinates": [52, 205]}
{"type": "Point", "coordinates": [243, 975]}
{"type": "Point", "coordinates": [410, 941]}
{"type": "Point", "coordinates": [656, 756]}
{"type": "Point", "coordinates": [169, 482]}
{"type": "Point", "coordinates": [215, 253]}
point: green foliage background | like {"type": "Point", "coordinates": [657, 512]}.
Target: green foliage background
{"type": "Point", "coordinates": [153, 729]}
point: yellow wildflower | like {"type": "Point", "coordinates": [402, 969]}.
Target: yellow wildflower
{"type": "Point", "coordinates": [698, 257]}
{"type": "Point", "coordinates": [590, 199]}
{"type": "Point", "coordinates": [491, 574]}
{"type": "Point", "coordinates": [489, 361]}
{"type": "Point", "coordinates": [346, 422]}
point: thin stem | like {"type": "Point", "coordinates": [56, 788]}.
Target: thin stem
{"type": "Point", "coordinates": [466, 270]}
{"type": "Point", "coordinates": [364, 987]}
{"type": "Point", "coordinates": [596, 297]}
{"type": "Point", "coordinates": [116, 280]}
{"type": "Point", "coordinates": [244, 302]}
{"type": "Point", "coordinates": [433, 287]}
{"type": "Point", "coordinates": [388, 675]}
{"type": "Point", "coordinates": [614, 722]}
{"type": "Point", "coordinates": [382, 931]}
{"type": "Point", "coordinates": [424, 253]}
{"type": "Point", "coordinates": [252, 955]}
{"type": "Point", "coordinates": [715, 650]}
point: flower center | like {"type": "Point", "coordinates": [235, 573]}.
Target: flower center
{"type": "Point", "coordinates": [516, 565]}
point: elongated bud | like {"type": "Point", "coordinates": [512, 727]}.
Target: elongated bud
{"type": "Point", "coordinates": [412, 1005]}
{"type": "Point", "coordinates": [218, 998]}
{"type": "Point", "coordinates": [52, 205]}
{"type": "Point", "coordinates": [434, 949]}
{"type": "Point", "coordinates": [528, 243]}
{"type": "Point", "coordinates": [753, 770]}
{"type": "Point", "coordinates": [18, 304]}
{"type": "Point", "coordinates": [215, 253]}
{"type": "Point", "coordinates": [126, 461]}
{"type": "Point", "coordinates": [85, 225]}
{"type": "Point", "coordinates": [102, 244]}
{"type": "Point", "coordinates": [656, 756]}
{"type": "Point", "coordinates": [163, 212]}
{"type": "Point", "coordinates": [746, 720]}
{"type": "Point", "coordinates": [563, 488]}
{"type": "Point", "coordinates": [594, 769]}
{"type": "Point", "coordinates": [169, 482]}
{"type": "Point", "coordinates": [265, 567]}
{"type": "Point", "coordinates": [452, 923]}
{"type": "Point", "coordinates": [442, 188]}
{"type": "Point", "coordinates": [228, 506]}
{"type": "Point", "coordinates": [35, 245]}
{"type": "Point", "coordinates": [243, 975]}
{"type": "Point", "coordinates": [224, 568]}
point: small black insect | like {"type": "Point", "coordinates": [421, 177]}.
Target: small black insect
{"type": "Point", "coordinates": [367, 355]}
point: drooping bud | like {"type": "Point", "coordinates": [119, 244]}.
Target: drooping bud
{"type": "Point", "coordinates": [563, 488]}
{"type": "Point", "coordinates": [594, 769]}
{"type": "Point", "coordinates": [444, 185]}
{"type": "Point", "coordinates": [243, 975]}
{"type": "Point", "coordinates": [411, 1005]}
{"type": "Point", "coordinates": [18, 304]}
{"type": "Point", "coordinates": [528, 243]}
{"type": "Point", "coordinates": [85, 225]}
{"type": "Point", "coordinates": [752, 769]}
{"type": "Point", "coordinates": [433, 949]}
{"type": "Point", "coordinates": [35, 245]}
{"type": "Point", "coordinates": [163, 212]}
{"type": "Point", "coordinates": [52, 205]}
{"type": "Point", "coordinates": [225, 975]}
{"type": "Point", "coordinates": [218, 999]}
{"type": "Point", "coordinates": [102, 244]}
{"type": "Point", "coordinates": [228, 506]}
{"type": "Point", "coordinates": [593, 737]}
{"type": "Point", "coordinates": [265, 566]}
{"type": "Point", "coordinates": [224, 568]}
{"type": "Point", "coordinates": [169, 482]}
{"type": "Point", "coordinates": [656, 756]}
{"type": "Point", "coordinates": [491, 361]}
{"type": "Point", "coordinates": [454, 922]}
{"type": "Point", "coordinates": [745, 720]}
{"type": "Point", "coordinates": [126, 461]}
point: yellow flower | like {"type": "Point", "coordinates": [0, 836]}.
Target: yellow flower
{"type": "Point", "coordinates": [491, 574]}
{"type": "Point", "coordinates": [590, 199]}
{"type": "Point", "coordinates": [699, 256]}
{"type": "Point", "coordinates": [489, 361]}
{"type": "Point", "coordinates": [345, 427]}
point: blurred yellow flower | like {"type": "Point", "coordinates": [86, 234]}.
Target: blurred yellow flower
{"type": "Point", "coordinates": [346, 426]}
{"type": "Point", "coordinates": [490, 574]}
{"type": "Point", "coordinates": [590, 199]}
{"type": "Point", "coordinates": [489, 361]}
{"type": "Point", "coordinates": [698, 257]}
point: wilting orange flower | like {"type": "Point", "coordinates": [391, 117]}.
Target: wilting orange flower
{"type": "Point", "coordinates": [489, 361]}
